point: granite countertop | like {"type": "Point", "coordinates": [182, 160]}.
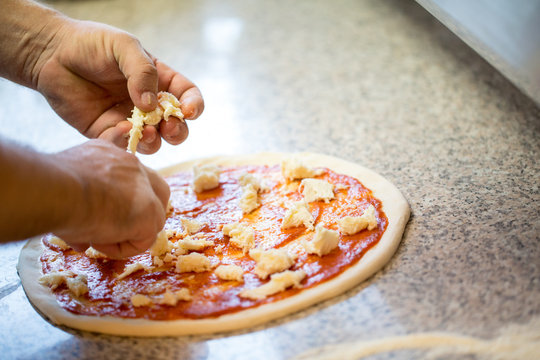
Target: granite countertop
{"type": "Point", "coordinates": [382, 84]}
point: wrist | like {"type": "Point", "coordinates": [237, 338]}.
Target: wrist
{"type": "Point", "coordinates": [38, 193]}
{"type": "Point", "coordinates": [72, 206]}
{"type": "Point", "coordinates": [28, 38]}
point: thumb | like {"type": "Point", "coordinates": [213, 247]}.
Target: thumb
{"type": "Point", "coordinates": [140, 71]}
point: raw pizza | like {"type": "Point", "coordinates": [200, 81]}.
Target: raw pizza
{"type": "Point", "coordinates": [247, 239]}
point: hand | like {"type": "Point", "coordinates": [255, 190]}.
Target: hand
{"type": "Point", "coordinates": [124, 202]}
{"type": "Point", "coordinates": [92, 75]}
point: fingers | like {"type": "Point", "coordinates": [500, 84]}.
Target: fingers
{"type": "Point", "coordinates": [124, 249]}
{"type": "Point", "coordinates": [191, 100]}
{"type": "Point", "coordinates": [145, 75]}
{"type": "Point", "coordinates": [191, 103]}
{"type": "Point", "coordinates": [79, 247]}
{"type": "Point", "coordinates": [140, 71]}
{"type": "Point", "coordinates": [173, 131]}
{"type": "Point", "coordinates": [119, 135]}
{"type": "Point", "coordinates": [150, 141]}
{"type": "Point", "coordinates": [160, 187]}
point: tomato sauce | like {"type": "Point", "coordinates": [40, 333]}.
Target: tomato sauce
{"type": "Point", "coordinates": [211, 296]}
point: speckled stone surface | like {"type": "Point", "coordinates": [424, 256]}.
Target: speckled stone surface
{"type": "Point", "coordinates": [380, 83]}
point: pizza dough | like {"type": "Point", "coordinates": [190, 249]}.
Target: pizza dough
{"type": "Point", "coordinates": [395, 207]}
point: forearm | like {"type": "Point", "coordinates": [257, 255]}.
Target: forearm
{"type": "Point", "coordinates": [26, 32]}
{"type": "Point", "coordinates": [38, 194]}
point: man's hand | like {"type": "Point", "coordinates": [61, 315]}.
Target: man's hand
{"type": "Point", "coordinates": [92, 75]}
{"type": "Point", "coordinates": [94, 194]}
{"type": "Point", "coordinates": [123, 205]}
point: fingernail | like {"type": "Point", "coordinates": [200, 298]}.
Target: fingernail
{"type": "Point", "coordinates": [150, 138]}
{"type": "Point", "coordinates": [175, 131]}
{"type": "Point", "coordinates": [148, 98]}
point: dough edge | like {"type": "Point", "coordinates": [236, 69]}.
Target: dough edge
{"type": "Point", "coordinates": [395, 207]}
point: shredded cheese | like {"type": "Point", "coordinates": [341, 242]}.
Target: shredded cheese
{"type": "Point", "coordinates": [168, 105]}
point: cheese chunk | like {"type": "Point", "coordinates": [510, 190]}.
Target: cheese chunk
{"type": "Point", "coordinates": [170, 233]}
{"type": "Point", "coordinates": [190, 243]}
{"type": "Point", "coordinates": [249, 200]}
{"type": "Point", "coordinates": [298, 214]}
{"type": "Point", "coordinates": [270, 261]}
{"type": "Point", "coordinates": [191, 226]}
{"type": "Point", "coordinates": [171, 298]}
{"type": "Point", "coordinates": [315, 190]}
{"type": "Point", "coordinates": [168, 105]}
{"type": "Point", "coordinates": [168, 258]}
{"type": "Point", "coordinates": [55, 279]}
{"type": "Point", "coordinates": [205, 177]}
{"type": "Point", "coordinates": [94, 254]}
{"type": "Point", "coordinates": [131, 268]}
{"type": "Point", "coordinates": [250, 179]}
{"type": "Point", "coordinates": [193, 262]}
{"type": "Point", "coordinates": [293, 168]}
{"type": "Point", "coordinates": [323, 242]}
{"type": "Point", "coordinates": [55, 240]}
{"type": "Point", "coordinates": [78, 285]}
{"type": "Point", "coordinates": [161, 245]}
{"type": "Point", "coordinates": [230, 272]}
{"type": "Point", "coordinates": [139, 300]}
{"type": "Point", "coordinates": [350, 225]}
{"type": "Point", "coordinates": [241, 236]}
{"type": "Point", "coordinates": [157, 261]}
{"type": "Point", "coordinates": [278, 283]}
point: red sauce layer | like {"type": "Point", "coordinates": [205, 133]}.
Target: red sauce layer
{"type": "Point", "coordinates": [212, 296]}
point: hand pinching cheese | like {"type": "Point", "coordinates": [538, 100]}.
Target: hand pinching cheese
{"type": "Point", "coordinates": [315, 190]}
{"type": "Point", "coordinates": [323, 242]}
{"type": "Point", "coordinates": [350, 225]}
{"type": "Point", "coordinates": [168, 105]}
